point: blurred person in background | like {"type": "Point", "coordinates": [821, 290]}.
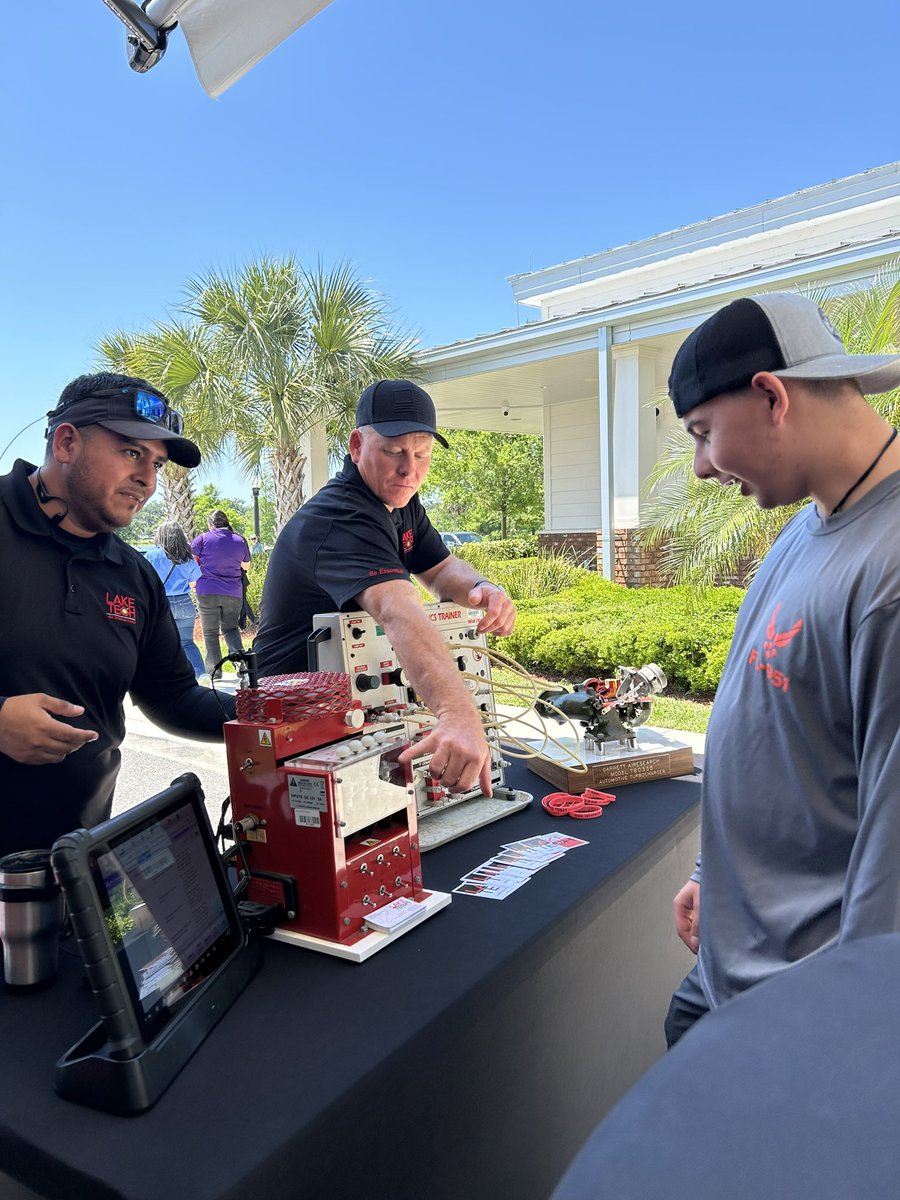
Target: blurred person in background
{"type": "Point", "coordinates": [175, 565]}
{"type": "Point", "coordinates": [223, 557]}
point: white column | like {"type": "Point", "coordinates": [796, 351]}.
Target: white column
{"type": "Point", "coordinates": [547, 438]}
{"type": "Point", "coordinates": [607, 449]}
{"type": "Point", "coordinates": [316, 473]}
{"type": "Point", "coordinates": [634, 430]}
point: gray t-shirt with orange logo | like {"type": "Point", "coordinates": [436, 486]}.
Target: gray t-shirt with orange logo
{"type": "Point", "coordinates": [800, 835]}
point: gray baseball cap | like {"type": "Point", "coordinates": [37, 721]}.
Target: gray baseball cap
{"type": "Point", "coordinates": [780, 332]}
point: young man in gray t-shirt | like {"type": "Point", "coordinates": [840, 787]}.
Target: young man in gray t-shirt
{"type": "Point", "coordinates": [800, 827]}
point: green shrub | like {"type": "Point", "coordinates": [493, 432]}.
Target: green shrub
{"type": "Point", "coordinates": [483, 555]}
{"type": "Point", "coordinates": [573, 622]}
{"type": "Point", "coordinates": [529, 578]}
{"type": "Point", "coordinates": [517, 547]}
{"type": "Point", "coordinates": [595, 626]}
{"type": "Point", "coordinates": [524, 577]}
{"type": "Point", "coordinates": [531, 629]}
{"type": "Point", "coordinates": [259, 564]}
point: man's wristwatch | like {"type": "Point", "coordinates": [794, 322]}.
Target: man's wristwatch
{"type": "Point", "coordinates": [498, 586]}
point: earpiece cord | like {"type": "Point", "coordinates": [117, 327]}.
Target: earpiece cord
{"type": "Point", "coordinates": [46, 497]}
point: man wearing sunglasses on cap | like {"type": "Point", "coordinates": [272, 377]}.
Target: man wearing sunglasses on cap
{"type": "Point", "coordinates": [355, 544]}
{"type": "Point", "coordinates": [86, 616]}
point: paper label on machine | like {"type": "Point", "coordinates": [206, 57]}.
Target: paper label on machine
{"type": "Point", "coordinates": [307, 818]}
{"type": "Point", "coordinates": [307, 792]}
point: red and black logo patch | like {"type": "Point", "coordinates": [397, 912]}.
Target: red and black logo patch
{"type": "Point", "coordinates": [121, 608]}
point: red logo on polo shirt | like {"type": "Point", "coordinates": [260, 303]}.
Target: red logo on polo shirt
{"type": "Point", "coordinates": [407, 540]}
{"type": "Point", "coordinates": [121, 608]}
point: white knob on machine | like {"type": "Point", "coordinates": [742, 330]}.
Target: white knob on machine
{"type": "Point", "coordinates": [367, 740]}
{"type": "Point", "coordinates": [355, 718]}
{"type": "Point", "coordinates": [380, 736]}
{"type": "Point", "coordinates": [356, 746]}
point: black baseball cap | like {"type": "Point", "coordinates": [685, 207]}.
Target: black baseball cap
{"type": "Point", "coordinates": [397, 406]}
{"type": "Point", "coordinates": [782, 332]}
{"type": "Point", "coordinates": [134, 412]}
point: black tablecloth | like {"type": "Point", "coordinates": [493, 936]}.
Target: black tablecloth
{"type": "Point", "coordinates": [325, 1069]}
{"type": "Point", "coordinates": [790, 1091]}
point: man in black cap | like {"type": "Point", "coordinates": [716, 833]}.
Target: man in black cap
{"type": "Point", "coordinates": [86, 616]}
{"type": "Point", "coordinates": [800, 830]}
{"type": "Point", "coordinates": [355, 544]}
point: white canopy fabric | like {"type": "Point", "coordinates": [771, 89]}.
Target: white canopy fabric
{"type": "Point", "coordinates": [228, 37]}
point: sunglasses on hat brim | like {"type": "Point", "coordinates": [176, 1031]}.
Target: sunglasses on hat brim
{"type": "Point", "coordinates": [144, 404]}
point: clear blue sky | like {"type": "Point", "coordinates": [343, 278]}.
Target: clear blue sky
{"type": "Point", "coordinates": [440, 145]}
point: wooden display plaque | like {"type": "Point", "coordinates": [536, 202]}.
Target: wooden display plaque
{"type": "Point", "coordinates": [656, 757]}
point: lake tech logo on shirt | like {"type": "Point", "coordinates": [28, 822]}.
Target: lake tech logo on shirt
{"type": "Point", "coordinates": [121, 608]}
{"type": "Point", "coordinates": [776, 639]}
{"type": "Point", "coordinates": [407, 540]}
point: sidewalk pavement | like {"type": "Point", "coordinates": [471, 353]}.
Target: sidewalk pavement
{"type": "Point", "coordinates": [152, 758]}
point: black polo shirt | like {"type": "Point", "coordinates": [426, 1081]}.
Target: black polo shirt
{"type": "Point", "coordinates": [85, 620]}
{"type": "Point", "coordinates": [339, 543]}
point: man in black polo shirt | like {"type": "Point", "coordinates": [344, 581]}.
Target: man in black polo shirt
{"type": "Point", "coordinates": [355, 544]}
{"type": "Point", "coordinates": [86, 616]}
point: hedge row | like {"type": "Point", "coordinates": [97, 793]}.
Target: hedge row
{"type": "Point", "coordinates": [594, 626]}
{"type": "Point", "coordinates": [574, 623]}
{"type": "Point", "coordinates": [479, 554]}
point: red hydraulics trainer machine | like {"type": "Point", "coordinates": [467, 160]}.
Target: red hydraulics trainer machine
{"type": "Point", "coordinates": [324, 815]}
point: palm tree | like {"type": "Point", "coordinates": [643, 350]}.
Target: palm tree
{"type": "Point", "coordinates": [357, 344]}
{"type": "Point", "coordinates": [180, 361]}
{"type": "Point", "coordinates": [293, 347]}
{"type": "Point", "coordinates": [706, 533]}
{"type": "Point", "coordinates": [869, 323]}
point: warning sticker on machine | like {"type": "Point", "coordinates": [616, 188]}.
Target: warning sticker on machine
{"type": "Point", "coordinates": [303, 816]}
{"type": "Point", "coordinates": [307, 791]}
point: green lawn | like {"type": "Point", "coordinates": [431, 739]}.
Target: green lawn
{"type": "Point", "coordinates": [672, 713]}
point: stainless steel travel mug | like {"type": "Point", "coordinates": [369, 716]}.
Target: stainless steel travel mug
{"type": "Point", "coordinates": [31, 912]}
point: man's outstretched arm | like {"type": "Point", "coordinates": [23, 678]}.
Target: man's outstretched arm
{"type": "Point", "coordinates": [460, 757]}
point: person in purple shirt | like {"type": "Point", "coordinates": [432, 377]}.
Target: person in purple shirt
{"type": "Point", "coordinates": [223, 556]}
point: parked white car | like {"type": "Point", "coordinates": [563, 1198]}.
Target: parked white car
{"type": "Point", "coordinates": [459, 538]}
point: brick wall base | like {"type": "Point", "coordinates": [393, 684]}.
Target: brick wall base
{"type": "Point", "coordinates": [635, 566]}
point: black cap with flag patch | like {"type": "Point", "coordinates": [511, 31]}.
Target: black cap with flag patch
{"type": "Point", "coordinates": [394, 407]}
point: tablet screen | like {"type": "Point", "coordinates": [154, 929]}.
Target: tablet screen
{"type": "Point", "coordinates": [164, 911]}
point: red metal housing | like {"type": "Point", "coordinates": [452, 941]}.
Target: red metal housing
{"type": "Point", "coordinates": [328, 813]}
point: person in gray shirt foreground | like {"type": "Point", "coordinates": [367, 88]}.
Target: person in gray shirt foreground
{"type": "Point", "coordinates": [800, 824]}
